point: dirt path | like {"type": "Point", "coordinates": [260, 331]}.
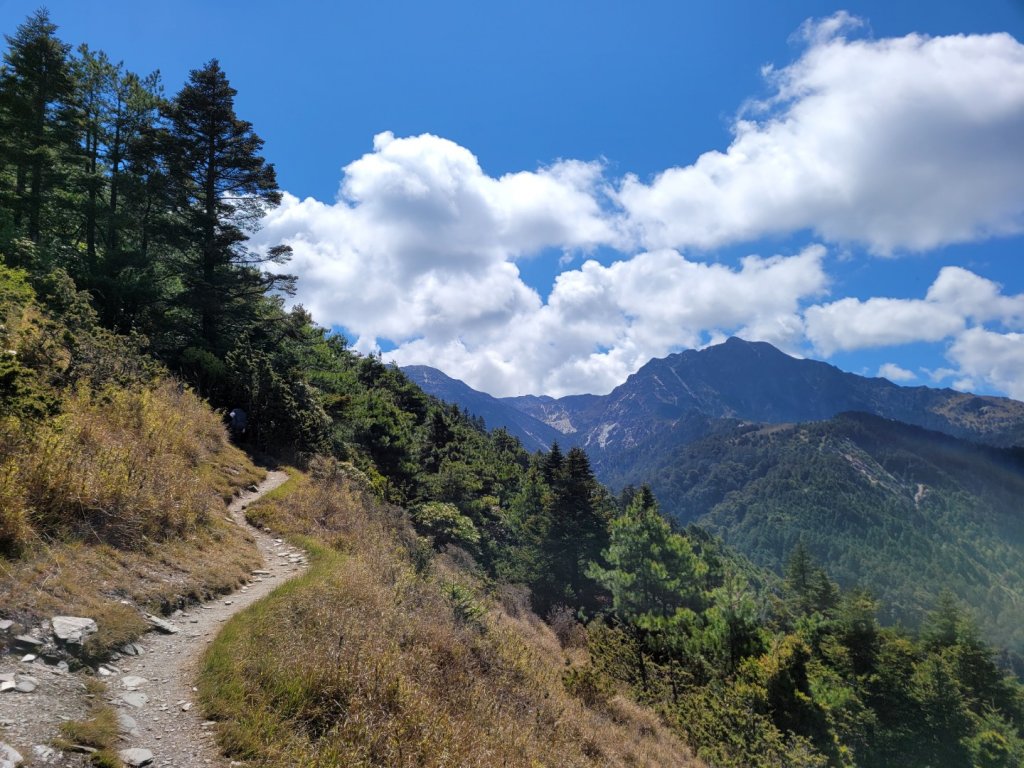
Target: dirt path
{"type": "Point", "coordinates": [152, 692]}
{"type": "Point", "coordinates": [167, 720]}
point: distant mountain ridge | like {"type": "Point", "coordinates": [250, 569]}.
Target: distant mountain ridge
{"type": "Point", "coordinates": [533, 433]}
{"type": "Point", "coordinates": [752, 381]}
{"type": "Point", "coordinates": [904, 490]}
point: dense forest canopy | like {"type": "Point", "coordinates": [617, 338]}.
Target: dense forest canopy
{"type": "Point", "coordinates": [124, 218]}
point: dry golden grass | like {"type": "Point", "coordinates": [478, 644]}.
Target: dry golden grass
{"type": "Point", "coordinates": [121, 467]}
{"type": "Point", "coordinates": [121, 500]}
{"type": "Point", "coordinates": [376, 657]}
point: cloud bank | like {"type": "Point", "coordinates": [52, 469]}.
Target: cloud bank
{"type": "Point", "coordinates": [891, 145]}
{"type": "Point", "coordinates": [898, 144]}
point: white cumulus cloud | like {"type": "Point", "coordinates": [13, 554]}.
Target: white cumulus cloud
{"type": "Point", "coordinates": [894, 372]}
{"type": "Point", "coordinates": [997, 358]}
{"type": "Point", "coordinates": [601, 323]}
{"type": "Point", "coordinates": [897, 144]}
{"type": "Point", "coordinates": [956, 298]}
{"type": "Point", "coordinates": [901, 143]}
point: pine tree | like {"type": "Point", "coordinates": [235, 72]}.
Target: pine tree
{"type": "Point", "coordinates": [37, 125]}
{"type": "Point", "coordinates": [808, 587]}
{"type": "Point", "coordinates": [578, 531]}
{"type": "Point", "coordinates": [221, 186]}
{"type": "Point", "coordinates": [652, 572]}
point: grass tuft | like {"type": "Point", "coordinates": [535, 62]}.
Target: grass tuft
{"type": "Point", "coordinates": [100, 730]}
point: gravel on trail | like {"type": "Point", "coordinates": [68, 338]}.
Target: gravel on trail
{"type": "Point", "coordinates": [154, 691]}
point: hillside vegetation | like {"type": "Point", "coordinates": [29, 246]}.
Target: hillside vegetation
{"type": "Point", "coordinates": [132, 304]}
{"type": "Point", "coordinates": [112, 477]}
{"type": "Point", "coordinates": [896, 509]}
{"type": "Point", "coordinates": [386, 654]}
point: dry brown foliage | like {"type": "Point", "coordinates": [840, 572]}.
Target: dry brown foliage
{"type": "Point", "coordinates": [378, 658]}
{"type": "Point", "coordinates": [119, 503]}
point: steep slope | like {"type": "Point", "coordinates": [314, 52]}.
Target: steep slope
{"type": "Point", "coordinates": [533, 433]}
{"type": "Point", "coordinates": [901, 510]}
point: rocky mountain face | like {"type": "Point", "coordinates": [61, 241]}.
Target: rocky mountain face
{"type": "Point", "coordinates": [677, 398]}
{"type": "Point", "coordinates": [754, 381]}
{"type": "Point", "coordinates": [532, 432]}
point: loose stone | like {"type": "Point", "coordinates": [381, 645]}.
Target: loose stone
{"type": "Point", "coordinates": [135, 757]}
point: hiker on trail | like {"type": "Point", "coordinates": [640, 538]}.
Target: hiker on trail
{"type": "Point", "coordinates": [238, 422]}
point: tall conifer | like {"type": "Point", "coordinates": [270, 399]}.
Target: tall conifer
{"type": "Point", "coordinates": [222, 186]}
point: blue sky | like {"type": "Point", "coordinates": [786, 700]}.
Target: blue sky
{"type": "Point", "coordinates": [539, 197]}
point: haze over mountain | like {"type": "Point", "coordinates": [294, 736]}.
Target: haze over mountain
{"type": "Point", "coordinates": [533, 433]}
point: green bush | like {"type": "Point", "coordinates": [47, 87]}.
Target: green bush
{"type": "Point", "coordinates": [446, 524]}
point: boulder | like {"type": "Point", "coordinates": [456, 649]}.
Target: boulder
{"type": "Point", "coordinates": [72, 629]}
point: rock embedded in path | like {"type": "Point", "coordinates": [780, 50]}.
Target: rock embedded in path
{"type": "Point", "coordinates": [135, 699]}
{"type": "Point", "coordinates": [164, 626]}
{"type": "Point", "coordinates": [135, 757]}
{"type": "Point", "coordinates": [72, 629]}
{"type": "Point", "coordinates": [133, 682]}
{"type": "Point", "coordinates": [26, 684]}
{"type": "Point", "coordinates": [127, 725]}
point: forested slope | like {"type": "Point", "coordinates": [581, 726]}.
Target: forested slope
{"type": "Point", "coordinates": [897, 509]}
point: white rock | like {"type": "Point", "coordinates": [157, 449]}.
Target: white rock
{"type": "Point", "coordinates": [164, 626]}
{"type": "Point", "coordinates": [135, 757]}
{"type": "Point", "coordinates": [72, 629]}
{"type": "Point", "coordinates": [5, 624]}
{"type": "Point", "coordinates": [126, 724]}
{"type": "Point", "coordinates": [7, 685]}
{"type": "Point", "coordinates": [133, 699]}
{"type": "Point", "coordinates": [133, 682]}
{"type": "Point", "coordinates": [26, 685]}
{"type": "Point", "coordinates": [9, 756]}
{"type": "Point", "coordinates": [28, 658]}
{"type": "Point", "coordinates": [44, 753]}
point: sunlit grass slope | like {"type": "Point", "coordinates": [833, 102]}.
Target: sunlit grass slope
{"type": "Point", "coordinates": [119, 497]}
{"type": "Point", "coordinates": [385, 654]}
